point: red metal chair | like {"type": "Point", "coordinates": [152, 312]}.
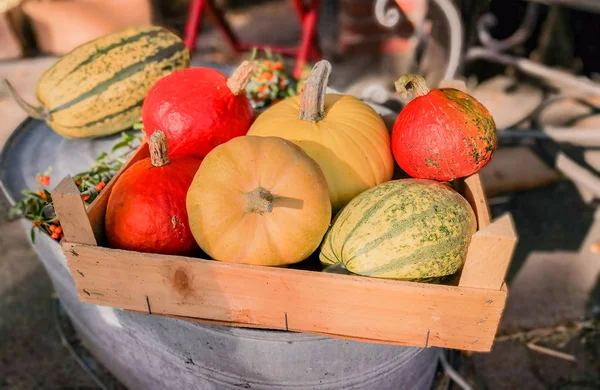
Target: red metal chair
{"type": "Point", "coordinates": [308, 15]}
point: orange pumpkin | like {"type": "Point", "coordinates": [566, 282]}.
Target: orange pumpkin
{"type": "Point", "coordinates": [146, 209]}
{"type": "Point", "coordinates": [259, 200]}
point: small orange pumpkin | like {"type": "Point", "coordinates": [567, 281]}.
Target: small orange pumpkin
{"type": "Point", "coordinates": [146, 209]}
{"type": "Point", "coordinates": [259, 200]}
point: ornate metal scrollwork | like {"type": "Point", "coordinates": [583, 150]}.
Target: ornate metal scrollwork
{"type": "Point", "coordinates": [386, 17]}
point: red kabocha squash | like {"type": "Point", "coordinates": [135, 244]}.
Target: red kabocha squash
{"type": "Point", "coordinates": [146, 210]}
{"type": "Point", "coordinates": [199, 109]}
{"type": "Point", "coordinates": [441, 134]}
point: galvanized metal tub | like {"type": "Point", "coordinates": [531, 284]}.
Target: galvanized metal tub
{"type": "Point", "coordinates": [154, 352]}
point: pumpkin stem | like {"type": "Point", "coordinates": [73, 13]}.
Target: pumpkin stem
{"type": "Point", "coordinates": [259, 201]}
{"type": "Point", "coordinates": [312, 107]}
{"type": "Point", "coordinates": [159, 149]}
{"type": "Point", "coordinates": [240, 77]}
{"type": "Point", "coordinates": [38, 112]}
{"type": "Point", "coordinates": [411, 83]}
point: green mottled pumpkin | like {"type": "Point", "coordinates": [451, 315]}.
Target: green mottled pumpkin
{"type": "Point", "coordinates": [98, 88]}
{"type": "Point", "coordinates": [408, 229]}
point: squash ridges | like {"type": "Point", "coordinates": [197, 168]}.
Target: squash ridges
{"type": "Point", "coordinates": [123, 74]}
{"type": "Point", "coordinates": [402, 229]}
{"type": "Point", "coordinates": [107, 49]}
{"type": "Point", "coordinates": [369, 213]}
{"type": "Point", "coordinates": [107, 117]}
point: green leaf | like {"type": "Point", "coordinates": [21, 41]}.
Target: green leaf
{"type": "Point", "coordinates": [126, 140]}
{"type": "Point", "coordinates": [32, 234]}
{"type": "Point", "coordinates": [101, 156]}
{"type": "Point", "coordinates": [14, 212]}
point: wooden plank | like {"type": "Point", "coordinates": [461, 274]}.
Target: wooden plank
{"type": "Point", "coordinates": [475, 195]}
{"type": "Point", "coordinates": [489, 255]}
{"type": "Point", "coordinates": [70, 210]}
{"type": "Point", "coordinates": [97, 209]}
{"type": "Point", "coordinates": [278, 298]}
{"type": "Point", "coordinates": [202, 321]}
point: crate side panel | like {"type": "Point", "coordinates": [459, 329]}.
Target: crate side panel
{"type": "Point", "coordinates": [357, 307]}
{"type": "Point", "coordinates": [475, 195]}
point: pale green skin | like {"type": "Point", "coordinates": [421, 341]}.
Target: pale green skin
{"type": "Point", "coordinates": [403, 229]}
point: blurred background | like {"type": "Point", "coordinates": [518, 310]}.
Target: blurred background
{"type": "Point", "coordinates": [535, 64]}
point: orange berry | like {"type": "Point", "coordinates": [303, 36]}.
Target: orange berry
{"type": "Point", "coordinates": [44, 180]}
{"type": "Point", "coordinates": [266, 63]}
{"type": "Point", "coordinates": [52, 228]}
{"type": "Point", "coordinates": [78, 182]}
{"type": "Point", "coordinates": [100, 186]}
{"type": "Point", "coordinates": [58, 229]}
{"type": "Point", "coordinates": [85, 197]}
{"type": "Point", "coordinates": [55, 235]}
{"type": "Point", "coordinates": [277, 66]}
{"type": "Point", "coordinates": [266, 76]}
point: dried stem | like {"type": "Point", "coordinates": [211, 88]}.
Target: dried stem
{"type": "Point", "coordinates": [259, 201]}
{"type": "Point", "coordinates": [411, 83]}
{"type": "Point", "coordinates": [312, 107]}
{"type": "Point", "coordinates": [240, 77]}
{"type": "Point", "coordinates": [159, 149]}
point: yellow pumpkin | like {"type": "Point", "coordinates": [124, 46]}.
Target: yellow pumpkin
{"type": "Point", "coordinates": [258, 200]}
{"type": "Point", "coordinates": [344, 135]}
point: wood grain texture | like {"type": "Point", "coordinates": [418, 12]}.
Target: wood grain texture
{"type": "Point", "coordinates": [474, 193]}
{"type": "Point", "coordinates": [277, 298]}
{"type": "Point", "coordinates": [489, 255]}
{"type": "Point", "coordinates": [71, 213]}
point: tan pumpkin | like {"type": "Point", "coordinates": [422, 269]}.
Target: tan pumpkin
{"type": "Point", "coordinates": [344, 135]}
{"type": "Point", "coordinates": [258, 200]}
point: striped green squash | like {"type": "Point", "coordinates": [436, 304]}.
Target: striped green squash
{"type": "Point", "coordinates": [408, 229]}
{"type": "Point", "coordinates": [98, 88]}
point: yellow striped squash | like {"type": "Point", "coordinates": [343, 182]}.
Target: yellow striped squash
{"type": "Point", "coordinates": [98, 88]}
{"type": "Point", "coordinates": [407, 229]}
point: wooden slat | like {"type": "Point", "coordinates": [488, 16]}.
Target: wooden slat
{"type": "Point", "coordinates": [489, 255]}
{"type": "Point", "coordinates": [254, 326]}
{"type": "Point", "coordinates": [71, 213]}
{"type": "Point", "coordinates": [97, 209]}
{"type": "Point", "coordinates": [278, 298]}
{"type": "Point", "coordinates": [475, 194]}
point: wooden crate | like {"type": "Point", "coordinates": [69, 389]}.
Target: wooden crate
{"type": "Point", "coordinates": [461, 316]}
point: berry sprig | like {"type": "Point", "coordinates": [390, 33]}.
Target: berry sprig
{"type": "Point", "coordinates": [37, 205]}
{"type": "Point", "coordinates": [270, 82]}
